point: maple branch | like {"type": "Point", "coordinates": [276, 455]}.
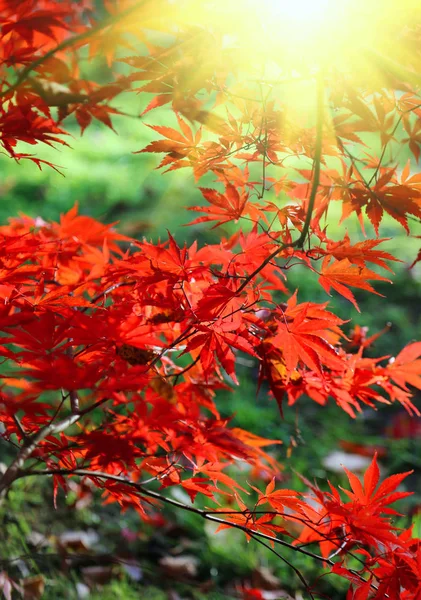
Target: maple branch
{"type": "Point", "coordinates": [72, 41]}
{"type": "Point", "coordinates": [13, 471]}
{"type": "Point", "coordinates": [391, 135]}
{"type": "Point", "coordinates": [367, 184]}
{"type": "Point", "coordinates": [74, 402]}
{"type": "Point", "coordinates": [20, 427]}
{"type": "Point", "coordinates": [287, 562]}
{"type": "Point", "coordinates": [314, 186]}
{"type": "Point", "coordinates": [183, 335]}
{"type": "Point", "coordinates": [208, 515]}
{"type": "Point", "coordinates": [185, 370]}
{"type": "Point", "coordinates": [109, 289]}
{"type": "Point", "coordinates": [211, 516]}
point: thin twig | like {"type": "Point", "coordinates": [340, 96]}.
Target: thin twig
{"type": "Point", "coordinates": [28, 448]}
{"type": "Point", "coordinates": [69, 42]}
{"type": "Point", "coordinates": [20, 427]}
{"type": "Point", "coordinates": [315, 184]}
{"type": "Point", "coordinates": [203, 513]}
{"type": "Point", "coordinates": [287, 562]}
{"type": "Point", "coordinates": [31, 442]}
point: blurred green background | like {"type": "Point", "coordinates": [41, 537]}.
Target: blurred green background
{"type": "Point", "coordinates": [110, 182]}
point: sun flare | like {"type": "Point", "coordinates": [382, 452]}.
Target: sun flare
{"type": "Point", "coordinates": [295, 32]}
{"type": "Point", "coordinates": [298, 27]}
{"type": "Point", "coordinates": [299, 11]}
{"type": "Point", "coordinates": [303, 34]}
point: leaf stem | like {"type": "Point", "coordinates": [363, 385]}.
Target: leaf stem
{"type": "Point", "coordinates": [314, 186]}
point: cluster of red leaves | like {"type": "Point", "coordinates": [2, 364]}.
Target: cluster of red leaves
{"type": "Point", "coordinates": [80, 316]}
{"type": "Point", "coordinates": [40, 41]}
{"type": "Point", "coordinates": [144, 333]}
{"type": "Point", "coordinates": [134, 339]}
{"type": "Point", "coordinates": [362, 527]}
{"type": "Point", "coordinates": [356, 526]}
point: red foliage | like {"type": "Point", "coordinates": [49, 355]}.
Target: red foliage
{"type": "Point", "coordinates": [146, 336]}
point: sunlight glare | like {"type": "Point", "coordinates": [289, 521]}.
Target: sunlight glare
{"type": "Point", "coordinates": [299, 11]}
{"type": "Point", "coordinates": [303, 36]}
{"type": "Point", "coordinates": [312, 27]}
{"type": "Point", "coordinates": [291, 30]}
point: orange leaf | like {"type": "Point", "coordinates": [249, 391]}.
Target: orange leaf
{"type": "Point", "coordinates": [342, 273]}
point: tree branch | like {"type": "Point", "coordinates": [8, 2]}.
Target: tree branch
{"type": "Point", "coordinates": [314, 186]}
{"type": "Point", "coordinates": [30, 445]}
{"type": "Point", "coordinates": [287, 562]}
{"type": "Point", "coordinates": [13, 471]}
{"type": "Point", "coordinates": [69, 42]}
{"type": "Point", "coordinates": [209, 516]}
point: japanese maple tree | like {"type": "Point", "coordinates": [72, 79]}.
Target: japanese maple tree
{"type": "Point", "coordinates": [114, 349]}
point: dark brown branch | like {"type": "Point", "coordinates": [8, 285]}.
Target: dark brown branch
{"type": "Point", "coordinates": [109, 289]}
{"type": "Point", "coordinates": [19, 427]}
{"type": "Point", "coordinates": [203, 513]}
{"type": "Point", "coordinates": [287, 562]}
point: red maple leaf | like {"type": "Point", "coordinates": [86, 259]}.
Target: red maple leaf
{"type": "Point", "coordinates": [342, 274]}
